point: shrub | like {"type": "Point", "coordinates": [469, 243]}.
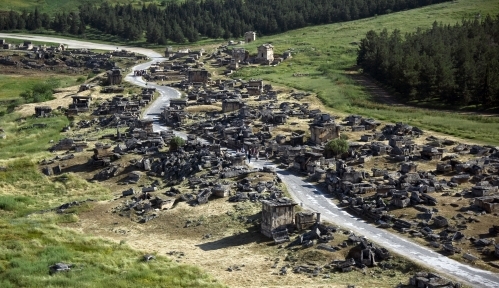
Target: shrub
{"type": "Point", "coordinates": [176, 142]}
{"type": "Point", "coordinates": [40, 92]}
{"type": "Point", "coordinates": [337, 146]}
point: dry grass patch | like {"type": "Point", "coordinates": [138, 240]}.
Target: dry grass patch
{"type": "Point", "coordinates": [217, 107]}
{"type": "Point", "coordinates": [232, 241]}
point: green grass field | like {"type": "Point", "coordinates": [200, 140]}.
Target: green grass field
{"type": "Point", "coordinates": [28, 142]}
{"type": "Point", "coordinates": [31, 242]}
{"type": "Point", "coordinates": [19, 41]}
{"type": "Point", "coordinates": [29, 246]}
{"type": "Point", "coordinates": [12, 85]}
{"type": "Point", "coordinates": [326, 52]}
{"type": "Point", "coordinates": [51, 6]}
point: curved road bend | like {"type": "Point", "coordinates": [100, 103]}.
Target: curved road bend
{"type": "Point", "coordinates": [154, 110]}
{"type": "Point", "coordinates": [301, 191]}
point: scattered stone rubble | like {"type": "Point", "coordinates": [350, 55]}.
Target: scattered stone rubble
{"type": "Point", "coordinates": [211, 170]}
{"type": "Point", "coordinates": [147, 203]}
{"type": "Point", "coordinates": [63, 208]}
{"type": "Point", "coordinates": [430, 280]}
{"type": "Point", "coordinates": [61, 59]}
{"type": "Point", "coordinates": [60, 267]}
{"type": "Point", "coordinates": [279, 220]}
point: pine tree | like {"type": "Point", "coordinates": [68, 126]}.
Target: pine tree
{"type": "Point", "coordinates": [152, 34]}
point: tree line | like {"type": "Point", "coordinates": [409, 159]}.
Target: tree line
{"type": "Point", "coordinates": [456, 64]}
{"type": "Point", "coordinates": [191, 19]}
{"type": "Point", "coordinates": [70, 22]}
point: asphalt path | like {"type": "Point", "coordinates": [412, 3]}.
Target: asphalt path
{"type": "Point", "coordinates": [154, 110]}
{"type": "Point", "coordinates": [302, 192]}
{"type": "Point", "coordinates": [311, 198]}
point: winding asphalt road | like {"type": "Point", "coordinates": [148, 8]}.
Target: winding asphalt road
{"type": "Point", "coordinates": [166, 93]}
{"type": "Point", "coordinates": [302, 191]}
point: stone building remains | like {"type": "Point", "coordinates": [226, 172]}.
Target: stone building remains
{"type": "Point", "coordinates": [114, 76]}
{"type": "Point", "coordinates": [277, 215]}
{"type": "Point", "coordinates": [239, 55]}
{"type": "Point", "coordinates": [265, 54]}
{"type": "Point", "coordinates": [249, 36]}
{"type": "Point", "coordinates": [42, 111]}
{"type": "Point", "coordinates": [230, 105]}
{"type": "Point", "coordinates": [198, 76]}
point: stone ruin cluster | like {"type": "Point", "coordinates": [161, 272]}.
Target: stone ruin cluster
{"type": "Point", "coordinates": [173, 167]}
{"type": "Point", "coordinates": [232, 58]}
{"type": "Point", "coordinates": [50, 58]}
{"type": "Point", "coordinates": [432, 280]}
{"type": "Point", "coordinates": [375, 195]}
{"type": "Point", "coordinates": [369, 194]}
{"type": "Point", "coordinates": [219, 179]}
{"type": "Point", "coordinates": [363, 252]}
{"type": "Point", "coordinates": [210, 169]}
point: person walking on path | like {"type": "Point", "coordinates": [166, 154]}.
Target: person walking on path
{"type": "Point", "coordinates": [249, 157]}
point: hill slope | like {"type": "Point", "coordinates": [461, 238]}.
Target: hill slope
{"type": "Point", "coordinates": [324, 59]}
{"type": "Point", "coordinates": [65, 5]}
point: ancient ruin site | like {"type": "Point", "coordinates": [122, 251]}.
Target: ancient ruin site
{"type": "Point", "coordinates": [188, 166]}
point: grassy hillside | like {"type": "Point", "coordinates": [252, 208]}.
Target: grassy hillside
{"type": "Point", "coordinates": [12, 85]}
{"type": "Point", "coordinates": [327, 55]}
{"type": "Point", "coordinates": [50, 6]}
{"type": "Point", "coordinates": [28, 246]}
{"type": "Point", "coordinates": [32, 237]}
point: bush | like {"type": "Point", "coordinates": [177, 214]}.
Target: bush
{"type": "Point", "coordinates": [176, 142]}
{"type": "Point", "coordinates": [40, 92]}
{"type": "Point", "coordinates": [12, 105]}
{"type": "Point", "coordinates": [337, 146]}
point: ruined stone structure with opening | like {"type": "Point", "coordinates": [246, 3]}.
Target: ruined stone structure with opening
{"type": "Point", "coordinates": [249, 36]}
{"type": "Point", "coordinates": [42, 111]}
{"type": "Point", "coordinates": [239, 54]}
{"type": "Point", "coordinates": [80, 104]}
{"type": "Point", "coordinates": [277, 215]}
{"type": "Point", "coordinates": [322, 133]}
{"type": "Point", "coordinates": [265, 54]}
{"type": "Point", "coordinates": [28, 45]}
{"type": "Point", "coordinates": [114, 76]}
